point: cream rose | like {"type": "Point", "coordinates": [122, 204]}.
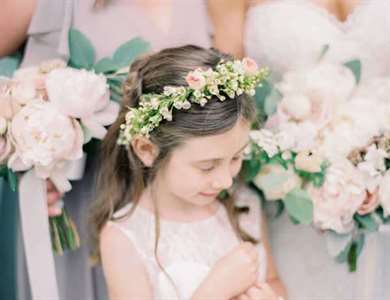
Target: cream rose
{"type": "Point", "coordinates": [308, 161]}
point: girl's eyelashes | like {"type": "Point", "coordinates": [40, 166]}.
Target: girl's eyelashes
{"type": "Point", "coordinates": [210, 167]}
{"type": "Point", "coordinates": [207, 168]}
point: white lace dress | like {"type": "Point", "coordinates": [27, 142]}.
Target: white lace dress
{"type": "Point", "coordinates": [188, 251]}
{"type": "Point", "coordinates": [289, 34]}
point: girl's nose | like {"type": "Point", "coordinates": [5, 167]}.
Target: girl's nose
{"type": "Point", "coordinates": [223, 179]}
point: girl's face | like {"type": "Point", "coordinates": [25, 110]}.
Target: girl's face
{"type": "Point", "coordinates": [203, 166]}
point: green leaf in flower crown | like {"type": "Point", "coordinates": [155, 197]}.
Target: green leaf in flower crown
{"type": "Point", "coordinates": [105, 65]}
{"type": "Point", "coordinates": [82, 53]}
{"type": "Point", "coordinates": [128, 51]}
{"type": "Point", "coordinates": [367, 222]}
{"type": "Point", "coordinates": [250, 168]}
{"type": "Point", "coordinates": [356, 67]}
{"type": "Point", "coordinates": [299, 206]}
{"type": "Point", "coordinates": [9, 64]}
{"type": "Point", "coordinates": [271, 102]}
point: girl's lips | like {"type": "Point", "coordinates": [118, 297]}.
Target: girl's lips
{"type": "Point", "coordinates": [209, 194]}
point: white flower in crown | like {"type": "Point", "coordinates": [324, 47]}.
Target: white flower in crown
{"type": "Point", "coordinates": [228, 79]}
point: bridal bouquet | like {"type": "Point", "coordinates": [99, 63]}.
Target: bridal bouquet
{"type": "Point", "coordinates": [48, 112]}
{"type": "Point", "coordinates": [324, 153]}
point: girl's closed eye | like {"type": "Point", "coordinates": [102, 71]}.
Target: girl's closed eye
{"type": "Point", "coordinates": [207, 167]}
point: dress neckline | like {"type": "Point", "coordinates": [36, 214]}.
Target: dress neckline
{"type": "Point", "coordinates": [319, 9]}
{"type": "Point", "coordinates": [147, 213]}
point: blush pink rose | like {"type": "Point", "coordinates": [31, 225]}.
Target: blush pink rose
{"type": "Point", "coordinates": [196, 80]}
{"type": "Point", "coordinates": [250, 66]}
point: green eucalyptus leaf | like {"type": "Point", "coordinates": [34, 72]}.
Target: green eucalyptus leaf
{"type": "Point", "coordinates": [82, 53]}
{"type": "Point", "coordinates": [336, 243]}
{"type": "Point", "coordinates": [299, 206]}
{"type": "Point", "coordinates": [105, 65]}
{"type": "Point", "coordinates": [324, 50]}
{"type": "Point", "coordinates": [9, 64]}
{"type": "Point", "coordinates": [356, 67]}
{"type": "Point", "coordinates": [367, 222]}
{"type": "Point", "coordinates": [127, 52]}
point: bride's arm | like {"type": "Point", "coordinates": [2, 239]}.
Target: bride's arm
{"type": "Point", "coordinates": [272, 277]}
{"type": "Point", "coordinates": [228, 19]}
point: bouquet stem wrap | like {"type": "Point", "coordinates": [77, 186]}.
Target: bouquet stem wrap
{"type": "Point", "coordinates": [36, 230]}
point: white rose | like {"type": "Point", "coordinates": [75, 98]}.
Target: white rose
{"type": "Point", "coordinates": [275, 181]}
{"type": "Point", "coordinates": [85, 95]}
{"type": "Point", "coordinates": [43, 137]}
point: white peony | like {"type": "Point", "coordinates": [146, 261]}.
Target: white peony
{"type": "Point", "coordinates": [84, 95]}
{"type": "Point", "coordinates": [352, 127]}
{"type": "Point", "coordinates": [339, 198]}
{"type": "Point", "coordinates": [43, 138]}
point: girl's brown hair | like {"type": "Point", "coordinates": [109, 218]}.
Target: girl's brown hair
{"type": "Point", "coordinates": [123, 177]}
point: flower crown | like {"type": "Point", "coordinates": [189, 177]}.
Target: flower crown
{"type": "Point", "coordinates": [232, 78]}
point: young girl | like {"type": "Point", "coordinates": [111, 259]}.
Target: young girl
{"type": "Point", "coordinates": [163, 229]}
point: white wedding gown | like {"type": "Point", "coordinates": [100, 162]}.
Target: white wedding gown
{"type": "Point", "coordinates": [290, 34]}
{"type": "Point", "coordinates": [187, 251]}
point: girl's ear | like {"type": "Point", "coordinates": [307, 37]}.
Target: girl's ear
{"type": "Point", "coordinates": [145, 150]}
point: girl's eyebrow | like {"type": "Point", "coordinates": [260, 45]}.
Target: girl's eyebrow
{"type": "Point", "coordinates": [219, 159]}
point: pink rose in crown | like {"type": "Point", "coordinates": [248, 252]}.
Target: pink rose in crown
{"type": "Point", "coordinates": [250, 66]}
{"type": "Point", "coordinates": [196, 80]}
